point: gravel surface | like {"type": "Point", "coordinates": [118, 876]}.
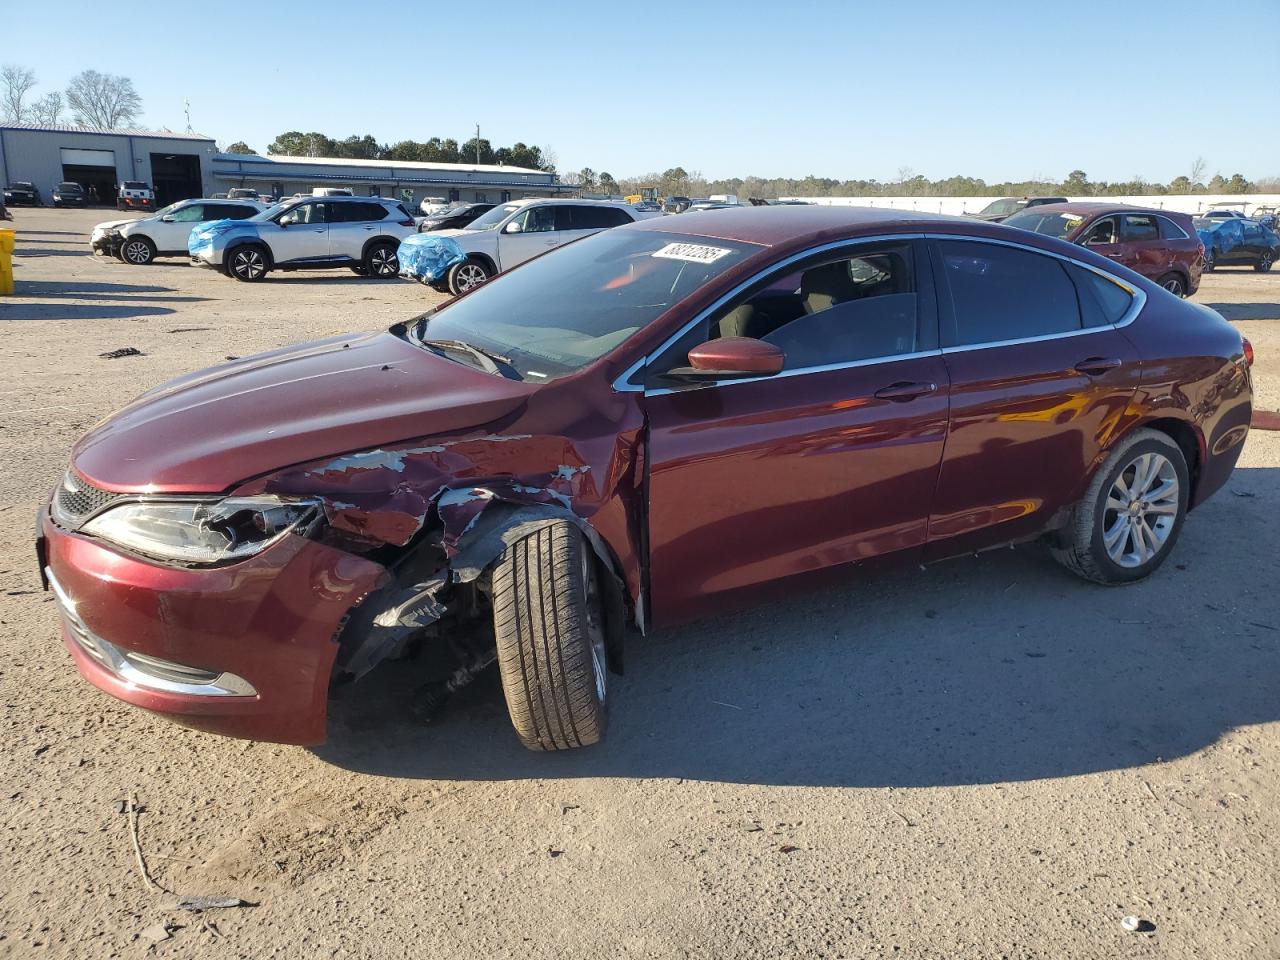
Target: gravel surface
{"type": "Point", "coordinates": [987, 758]}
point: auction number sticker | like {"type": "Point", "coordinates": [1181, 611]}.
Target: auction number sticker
{"type": "Point", "coordinates": [692, 252]}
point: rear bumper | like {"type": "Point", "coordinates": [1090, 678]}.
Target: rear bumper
{"type": "Point", "coordinates": [245, 650]}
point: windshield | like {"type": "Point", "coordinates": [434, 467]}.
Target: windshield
{"type": "Point", "coordinates": [1051, 224]}
{"type": "Point", "coordinates": [280, 207]}
{"type": "Point", "coordinates": [560, 312]}
{"type": "Point", "coordinates": [1002, 208]}
{"type": "Point", "coordinates": [165, 211]}
{"type": "Point", "coordinates": [493, 217]}
{"type": "Point", "coordinates": [69, 187]}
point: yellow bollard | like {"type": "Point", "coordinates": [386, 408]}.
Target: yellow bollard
{"type": "Point", "coordinates": [6, 261]}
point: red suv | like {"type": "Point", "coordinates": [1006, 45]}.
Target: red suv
{"type": "Point", "coordinates": [1159, 244]}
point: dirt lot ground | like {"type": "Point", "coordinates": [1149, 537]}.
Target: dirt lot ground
{"type": "Point", "coordinates": [985, 759]}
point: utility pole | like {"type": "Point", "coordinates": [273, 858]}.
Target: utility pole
{"type": "Point", "coordinates": [477, 144]}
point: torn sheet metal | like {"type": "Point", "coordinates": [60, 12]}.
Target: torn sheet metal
{"type": "Point", "coordinates": [428, 258]}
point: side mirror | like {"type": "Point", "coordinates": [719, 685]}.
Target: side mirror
{"type": "Point", "coordinates": [515, 226]}
{"type": "Point", "coordinates": [167, 218]}
{"type": "Point", "coordinates": [730, 358]}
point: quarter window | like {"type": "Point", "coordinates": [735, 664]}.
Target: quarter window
{"type": "Point", "coordinates": [1170, 230]}
{"type": "Point", "coordinates": [1102, 301]}
{"type": "Point", "coordinates": [1002, 293]}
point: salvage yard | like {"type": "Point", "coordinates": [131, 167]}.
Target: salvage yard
{"type": "Point", "coordinates": [986, 758]}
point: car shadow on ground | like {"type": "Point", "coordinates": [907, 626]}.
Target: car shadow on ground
{"type": "Point", "coordinates": [997, 668]}
{"type": "Point", "coordinates": [95, 290]}
{"type": "Point", "coordinates": [1247, 311]}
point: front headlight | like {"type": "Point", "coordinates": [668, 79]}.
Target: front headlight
{"type": "Point", "coordinates": [196, 532]}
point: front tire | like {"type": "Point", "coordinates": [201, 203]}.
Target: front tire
{"type": "Point", "coordinates": [1174, 283]}
{"type": "Point", "coordinates": [381, 262]}
{"type": "Point", "coordinates": [548, 617]}
{"type": "Point", "coordinates": [138, 251]}
{"type": "Point", "coordinates": [247, 264]}
{"type": "Point", "coordinates": [1208, 263]}
{"type": "Point", "coordinates": [1264, 262]}
{"type": "Point", "coordinates": [1129, 519]}
{"type": "Point", "coordinates": [467, 276]}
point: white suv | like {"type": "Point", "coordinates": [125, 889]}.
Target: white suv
{"type": "Point", "coordinates": [517, 231]}
{"type": "Point", "coordinates": [312, 233]}
{"type": "Point", "coordinates": [165, 233]}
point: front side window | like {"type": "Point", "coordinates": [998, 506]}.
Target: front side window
{"type": "Point", "coordinates": [192, 213]}
{"type": "Point", "coordinates": [999, 293]}
{"type": "Point", "coordinates": [1138, 228]}
{"type": "Point", "coordinates": [494, 217]}
{"type": "Point", "coordinates": [842, 310]}
{"type": "Point", "coordinates": [556, 314]}
{"type": "Point", "coordinates": [1104, 231]}
{"type": "Point", "coordinates": [305, 213]}
{"type": "Point", "coordinates": [537, 220]}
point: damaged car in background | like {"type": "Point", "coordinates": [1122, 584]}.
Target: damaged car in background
{"type": "Point", "coordinates": [653, 424]}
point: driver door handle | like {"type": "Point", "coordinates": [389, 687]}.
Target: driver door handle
{"type": "Point", "coordinates": [903, 391]}
{"type": "Point", "coordinates": [1096, 366]}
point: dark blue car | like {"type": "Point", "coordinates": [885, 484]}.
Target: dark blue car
{"type": "Point", "coordinates": [1235, 241]}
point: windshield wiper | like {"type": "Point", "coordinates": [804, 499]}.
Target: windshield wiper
{"type": "Point", "coordinates": [488, 359]}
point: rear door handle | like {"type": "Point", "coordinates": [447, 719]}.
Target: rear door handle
{"type": "Point", "coordinates": [903, 391]}
{"type": "Point", "coordinates": [1096, 366]}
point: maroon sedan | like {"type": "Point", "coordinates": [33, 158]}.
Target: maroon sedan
{"type": "Point", "coordinates": [1159, 244]}
{"type": "Point", "coordinates": [653, 424]}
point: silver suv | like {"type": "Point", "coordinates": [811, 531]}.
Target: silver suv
{"type": "Point", "coordinates": [310, 233]}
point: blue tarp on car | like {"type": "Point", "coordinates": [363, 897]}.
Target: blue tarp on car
{"type": "Point", "coordinates": [1220, 236]}
{"type": "Point", "coordinates": [427, 258]}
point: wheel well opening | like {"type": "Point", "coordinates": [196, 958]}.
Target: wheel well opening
{"type": "Point", "coordinates": [485, 261]}
{"type": "Point", "coordinates": [1184, 435]}
{"type": "Point", "coordinates": [258, 244]}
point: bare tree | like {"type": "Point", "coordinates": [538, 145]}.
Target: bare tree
{"type": "Point", "coordinates": [15, 83]}
{"type": "Point", "coordinates": [103, 100]}
{"type": "Point", "coordinates": [1198, 169]}
{"type": "Point", "coordinates": [47, 110]}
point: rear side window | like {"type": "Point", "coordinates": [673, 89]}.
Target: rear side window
{"type": "Point", "coordinates": [1102, 301]}
{"type": "Point", "coordinates": [358, 212]}
{"type": "Point", "coordinates": [236, 211]}
{"type": "Point", "coordinates": [1138, 227]}
{"type": "Point", "coordinates": [1170, 230]}
{"type": "Point", "coordinates": [596, 218]}
{"type": "Point", "coordinates": [1003, 293]}
{"type": "Point", "coordinates": [1253, 233]}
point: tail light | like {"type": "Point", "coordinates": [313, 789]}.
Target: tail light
{"type": "Point", "coordinates": [1248, 351]}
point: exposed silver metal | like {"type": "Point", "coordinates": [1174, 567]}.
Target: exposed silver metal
{"type": "Point", "coordinates": [142, 670]}
{"type": "Point", "coordinates": [1140, 510]}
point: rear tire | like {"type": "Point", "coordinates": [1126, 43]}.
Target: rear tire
{"type": "Point", "coordinates": [1174, 283]}
{"type": "Point", "coordinates": [1129, 519]}
{"type": "Point", "coordinates": [1264, 262]}
{"type": "Point", "coordinates": [1208, 263]}
{"type": "Point", "coordinates": [381, 262]}
{"type": "Point", "coordinates": [548, 616]}
{"type": "Point", "coordinates": [138, 251]}
{"type": "Point", "coordinates": [247, 263]}
{"type": "Point", "coordinates": [467, 276]}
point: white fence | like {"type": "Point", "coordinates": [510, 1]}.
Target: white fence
{"type": "Point", "coordinates": [1188, 203]}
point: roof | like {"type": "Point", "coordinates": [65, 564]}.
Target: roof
{"type": "Point", "coordinates": [1093, 208]}
{"type": "Point", "coordinates": [70, 128]}
{"type": "Point", "coordinates": [774, 225]}
{"type": "Point", "coordinates": [385, 164]}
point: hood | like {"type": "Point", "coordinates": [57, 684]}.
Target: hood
{"type": "Point", "coordinates": [209, 431]}
{"type": "Point", "coordinates": [106, 225]}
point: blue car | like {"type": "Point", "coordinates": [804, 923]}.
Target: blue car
{"type": "Point", "coordinates": [1235, 241]}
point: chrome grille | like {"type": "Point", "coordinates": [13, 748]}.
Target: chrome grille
{"type": "Point", "coordinates": [77, 499]}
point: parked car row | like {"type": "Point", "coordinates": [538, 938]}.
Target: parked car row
{"type": "Point", "coordinates": [140, 240]}
{"type": "Point", "coordinates": [130, 195]}
{"type": "Point", "coordinates": [650, 425]}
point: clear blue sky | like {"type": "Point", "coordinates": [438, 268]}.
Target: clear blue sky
{"type": "Point", "coordinates": [839, 89]}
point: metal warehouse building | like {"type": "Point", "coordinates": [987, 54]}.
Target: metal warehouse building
{"type": "Point", "coordinates": [182, 165]}
{"type": "Point", "coordinates": [177, 165]}
{"type": "Point", "coordinates": [406, 180]}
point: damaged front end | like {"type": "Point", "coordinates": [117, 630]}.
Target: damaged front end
{"type": "Point", "coordinates": [438, 516]}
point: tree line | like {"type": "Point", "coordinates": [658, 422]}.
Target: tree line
{"type": "Point", "coordinates": [681, 182]}
{"type": "Point", "coordinates": [435, 150]}
{"type": "Point", "coordinates": [92, 99]}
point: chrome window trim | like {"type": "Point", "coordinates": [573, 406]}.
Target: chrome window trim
{"type": "Point", "coordinates": [1138, 301]}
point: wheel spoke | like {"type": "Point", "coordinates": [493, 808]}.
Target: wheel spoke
{"type": "Point", "coordinates": [1113, 538]}
{"type": "Point", "coordinates": [1115, 503]}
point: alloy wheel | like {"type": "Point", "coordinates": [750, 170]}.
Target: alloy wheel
{"type": "Point", "coordinates": [248, 264]}
{"type": "Point", "coordinates": [595, 615]}
{"type": "Point", "coordinates": [1173, 285]}
{"type": "Point", "coordinates": [1141, 510]}
{"type": "Point", "coordinates": [1264, 263]}
{"type": "Point", "coordinates": [137, 252]}
{"type": "Point", "coordinates": [470, 275]}
{"type": "Point", "coordinates": [384, 262]}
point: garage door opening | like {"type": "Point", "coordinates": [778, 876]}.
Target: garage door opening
{"type": "Point", "coordinates": [175, 176]}
{"type": "Point", "coordinates": [95, 170]}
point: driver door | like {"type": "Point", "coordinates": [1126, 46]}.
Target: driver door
{"type": "Point", "coordinates": [1103, 237]}
{"type": "Point", "coordinates": [529, 233]}
{"type": "Point", "coordinates": [301, 233]}
{"type": "Point", "coordinates": [831, 462]}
